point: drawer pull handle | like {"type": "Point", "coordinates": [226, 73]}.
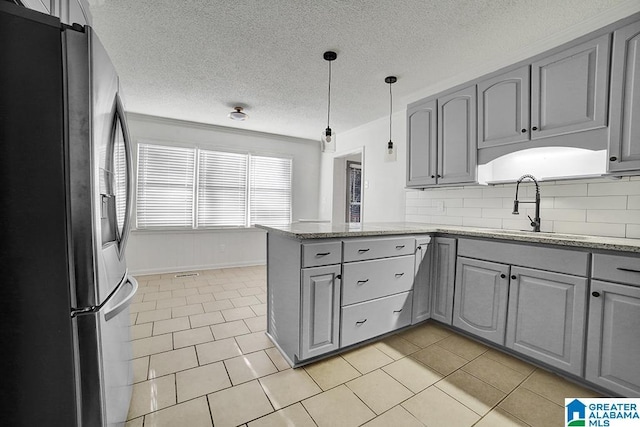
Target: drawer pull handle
{"type": "Point", "coordinates": [399, 275]}
{"type": "Point", "coordinates": [630, 270]}
{"type": "Point", "coordinates": [361, 282]}
{"type": "Point", "coordinates": [397, 311]}
{"type": "Point", "coordinates": [399, 246]}
{"type": "Point", "coordinates": [318, 255]}
{"type": "Point", "coordinates": [360, 322]}
{"type": "Point", "coordinates": [360, 251]}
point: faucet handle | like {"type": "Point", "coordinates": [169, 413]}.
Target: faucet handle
{"type": "Point", "coordinates": [533, 222]}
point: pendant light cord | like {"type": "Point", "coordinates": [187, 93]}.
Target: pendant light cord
{"type": "Point", "coordinates": [390, 109]}
{"type": "Point", "coordinates": [329, 105]}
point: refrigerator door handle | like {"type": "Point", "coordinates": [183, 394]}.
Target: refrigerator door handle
{"type": "Point", "coordinates": [117, 309]}
{"type": "Point", "coordinates": [126, 228]}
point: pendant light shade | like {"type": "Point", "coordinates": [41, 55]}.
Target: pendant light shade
{"type": "Point", "coordinates": [390, 154]}
{"type": "Point", "coordinates": [328, 138]}
{"type": "Point", "coordinates": [238, 114]}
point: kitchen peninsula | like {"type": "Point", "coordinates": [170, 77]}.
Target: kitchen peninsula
{"type": "Point", "coordinates": [540, 296]}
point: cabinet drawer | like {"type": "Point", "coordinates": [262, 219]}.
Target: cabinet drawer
{"type": "Point", "coordinates": [363, 249]}
{"type": "Point", "coordinates": [372, 318]}
{"type": "Point", "coordinates": [367, 280]}
{"type": "Point", "coordinates": [315, 254]}
{"type": "Point", "coordinates": [616, 268]}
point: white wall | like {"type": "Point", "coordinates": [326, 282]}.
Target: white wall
{"type": "Point", "coordinates": [175, 250]}
{"type": "Point", "coordinates": [383, 195]}
{"type": "Point", "coordinates": [600, 206]}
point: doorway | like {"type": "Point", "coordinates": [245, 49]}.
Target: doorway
{"type": "Point", "coordinates": [353, 191]}
{"type": "Point", "coordinates": [348, 179]}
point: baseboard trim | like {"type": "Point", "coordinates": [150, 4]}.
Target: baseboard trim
{"type": "Point", "coordinates": [186, 268]}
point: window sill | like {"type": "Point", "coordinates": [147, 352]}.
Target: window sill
{"type": "Point", "coordinates": [174, 230]}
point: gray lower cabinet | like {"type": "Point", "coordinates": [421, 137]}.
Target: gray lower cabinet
{"type": "Point", "coordinates": [624, 136]}
{"type": "Point", "coordinates": [546, 319]}
{"type": "Point", "coordinates": [443, 278]}
{"type": "Point", "coordinates": [320, 310]}
{"type": "Point", "coordinates": [422, 281]}
{"type": "Point", "coordinates": [481, 297]}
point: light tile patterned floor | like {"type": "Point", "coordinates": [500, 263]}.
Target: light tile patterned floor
{"type": "Point", "coordinates": [202, 358]}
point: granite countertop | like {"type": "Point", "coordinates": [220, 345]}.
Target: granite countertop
{"type": "Point", "coordinates": [325, 230]}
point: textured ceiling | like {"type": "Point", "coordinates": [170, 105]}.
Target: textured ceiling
{"type": "Point", "coordinates": [196, 59]}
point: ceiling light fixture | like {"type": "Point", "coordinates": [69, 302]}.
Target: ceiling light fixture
{"type": "Point", "coordinates": [390, 155]}
{"type": "Point", "coordinates": [328, 136]}
{"type": "Point", "coordinates": [238, 115]}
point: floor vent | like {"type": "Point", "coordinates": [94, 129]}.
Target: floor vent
{"type": "Point", "coordinates": [187, 274]}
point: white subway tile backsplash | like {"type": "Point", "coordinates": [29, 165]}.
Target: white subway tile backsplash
{"type": "Point", "coordinates": [604, 202]}
{"type": "Point", "coordinates": [633, 231]}
{"type": "Point", "coordinates": [614, 216]}
{"type": "Point", "coordinates": [614, 188]}
{"type": "Point", "coordinates": [593, 228]}
{"type": "Point", "coordinates": [634, 202]}
{"type": "Point", "coordinates": [596, 206]}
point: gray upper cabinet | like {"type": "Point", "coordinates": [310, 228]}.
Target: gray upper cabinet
{"type": "Point", "coordinates": [69, 11]}
{"type": "Point", "coordinates": [443, 278]}
{"type": "Point", "coordinates": [569, 90]}
{"type": "Point", "coordinates": [546, 319]}
{"type": "Point", "coordinates": [503, 109]}
{"type": "Point", "coordinates": [421, 148]}
{"type": "Point", "coordinates": [613, 345]}
{"type": "Point", "coordinates": [457, 140]}
{"type": "Point", "coordinates": [481, 298]}
{"type": "Point", "coordinates": [624, 137]}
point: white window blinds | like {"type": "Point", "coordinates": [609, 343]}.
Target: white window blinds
{"type": "Point", "coordinates": [165, 186]}
{"type": "Point", "coordinates": [194, 188]}
{"type": "Point", "coordinates": [270, 191]}
{"type": "Point", "coordinates": [222, 189]}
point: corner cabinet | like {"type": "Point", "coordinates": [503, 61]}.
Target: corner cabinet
{"type": "Point", "coordinates": [441, 137]}
{"type": "Point", "coordinates": [457, 145]}
{"type": "Point", "coordinates": [443, 273]}
{"type": "Point", "coordinates": [624, 136]}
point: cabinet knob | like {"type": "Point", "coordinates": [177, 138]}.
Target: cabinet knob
{"type": "Point", "coordinates": [503, 276]}
{"type": "Point", "coordinates": [514, 277]}
{"type": "Point", "coordinates": [613, 158]}
{"type": "Point", "coordinates": [534, 128]}
{"type": "Point", "coordinates": [339, 277]}
{"type": "Point", "coordinates": [524, 131]}
{"type": "Point", "coordinates": [439, 176]}
{"type": "Point", "coordinates": [433, 176]}
{"type": "Point", "coordinates": [595, 294]}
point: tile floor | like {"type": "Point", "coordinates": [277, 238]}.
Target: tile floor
{"type": "Point", "coordinates": [202, 359]}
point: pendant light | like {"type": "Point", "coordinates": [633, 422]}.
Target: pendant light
{"type": "Point", "coordinates": [238, 114]}
{"type": "Point", "coordinates": [390, 155]}
{"type": "Point", "coordinates": [328, 138]}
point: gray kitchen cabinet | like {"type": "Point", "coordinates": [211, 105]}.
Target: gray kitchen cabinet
{"type": "Point", "coordinates": [443, 278]}
{"type": "Point", "coordinates": [457, 137]}
{"type": "Point", "coordinates": [546, 318]}
{"type": "Point", "coordinates": [569, 89]}
{"type": "Point", "coordinates": [43, 6]}
{"type": "Point", "coordinates": [481, 298]}
{"type": "Point", "coordinates": [422, 283]}
{"type": "Point", "coordinates": [320, 310]}
{"type": "Point", "coordinates": [624, 133]}
{"type": "Point", "coordinates": [503, 109]}
{"type": "Point", "coordinates": [613, 343]}
{"type": "Point", "coordinates": [421, 144]}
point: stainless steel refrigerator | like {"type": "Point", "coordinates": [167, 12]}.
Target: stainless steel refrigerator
{"type": "Point", "coordinates": [65, 204]}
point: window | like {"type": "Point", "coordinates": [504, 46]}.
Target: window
{"type": "Point", "coordinates": [194, 188]}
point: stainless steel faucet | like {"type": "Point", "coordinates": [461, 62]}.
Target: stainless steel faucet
{"type": "Point", "coordinates": [535, 222]}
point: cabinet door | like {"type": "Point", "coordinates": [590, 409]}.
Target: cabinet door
{"type": "Point", "coordinates": [547, 317]}
{"type": "Point", "coordinates": [40, 5]}
{"type": "Point", "coordinates": [442, 279]}
{"type": "Point", "coordinates": [320, 310]}
{"type": "Point", "coordinates": [457, 140]}
{"type": "Point", "coordinates": [481, 297]}
{"type": "Point", "coordinates": [613, 345]}
{"type": "Point", "coordinates": [422, 283]}
{"type": "Point", "coordinates": [624, 136]}
{"type": "Point", "coordinates": [569, 90]}
{"type": "Point", "coordinates": [421, 146]}
{"type": "Point", "coordinates": [503, 109]}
